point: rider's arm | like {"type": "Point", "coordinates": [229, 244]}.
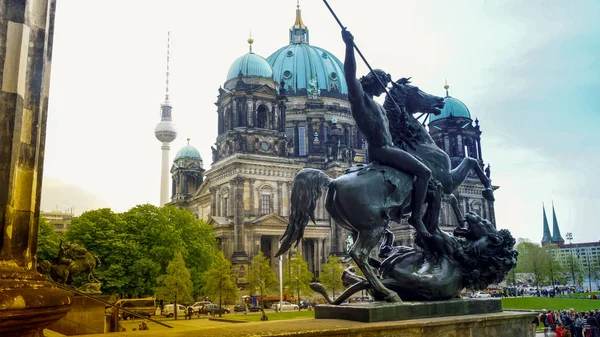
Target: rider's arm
{"type": "Point", "coordinates": [354, 87]}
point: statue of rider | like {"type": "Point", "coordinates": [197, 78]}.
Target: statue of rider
{"type": "Point", "coordinates": [372, 121]}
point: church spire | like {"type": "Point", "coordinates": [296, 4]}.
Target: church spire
{"type": "Point", "coordinates": [547, 238]}
{"type": "Point", "coordinates": [556, 237]}
{"type": "Point", "coordinates": [298, 32]}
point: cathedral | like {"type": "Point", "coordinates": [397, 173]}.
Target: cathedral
{"type": "Point", "coordinates": [277, 115]}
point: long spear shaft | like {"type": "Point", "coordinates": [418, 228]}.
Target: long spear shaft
{"type": "Point", "coordinates": [363, 58]}
{"type": "Point", "coordinates": [366, 62]}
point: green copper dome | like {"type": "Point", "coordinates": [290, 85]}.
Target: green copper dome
{"type": "Point", "coordinates": [250, 65]}
{"type": "Point", "coordinates": [188, 152]}
{"type": "Point", "coordinates": [454, 108]}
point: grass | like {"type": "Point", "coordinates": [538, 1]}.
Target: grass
{"type": "Point", "coordinates": [539, 303]}
{"type": "Point", "coordinates": [279, 316]}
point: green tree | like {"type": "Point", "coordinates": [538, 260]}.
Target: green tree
{"type": "Point", "coordinates": [220, 281]}
{"type": "Point", "coordinates": [298, 279]}
{"type": "Point", "coordinates": [48, 241]}
{"type": "Point", "coordinates": [261, 278]}
{"type": "Point", "coordinates": [135, 247]}
{"type": "Point", "coordinates": [176, 285]}
{"type": "Point", "coordinates": [555, 268]}
{"type": "Point", "coordinates": [331, 275]}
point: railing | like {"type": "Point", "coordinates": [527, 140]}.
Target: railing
{"type": "Point", "coordinates": [132, 313]}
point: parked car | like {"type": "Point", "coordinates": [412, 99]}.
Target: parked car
{"type": "Point", "coordinates": [285, 306]}
{"type": "Point", "coordinates": [212, 309]}
{"type": "Point", "coordinates": [198, 306]}
{"type": "Point", "coordinates": [481, 294]}
{"type": "Point", "coordinates": [169, 310]}
{"type": "Point", "coordinates": [141, 306]}
{"type": "Point", "coordinates": [305, 304]}
{"type": "Point", "coordinates": [251, 308]}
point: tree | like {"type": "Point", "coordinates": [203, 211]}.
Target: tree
{"type": "Point", "coordinates": [533, 260]}
{"type": "Point", "coordinates": [299, 277]}
{"type": "Point", "coordinates": [554, 266]}
{"type": "Point", "coordinates": [220, 281]}
{"type": "Point", "coordinates": [48, 241]}
{"type": "Point", "coordinates": [261, 278]}
{"type": "Point", "coordinates": [135, 247]}
{"type": "Point", "coordinates": [176, 285]}
{"type": "Point", "coordinates": [331, 275]}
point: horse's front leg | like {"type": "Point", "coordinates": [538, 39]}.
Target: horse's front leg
{"type": "Point", "coordinates": [366, 241]}
{"type": "Point", "coordinates": [453, 202]}
{"type": "Point", "coordinates": [459, 174]}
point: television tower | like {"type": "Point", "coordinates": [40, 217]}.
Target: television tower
{"type": "Point", "coordinates": [166, 133]}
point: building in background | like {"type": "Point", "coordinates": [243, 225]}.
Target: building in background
{"type": "Point", "coordinates": [585, 255]}
{"type": "Point", "coordinates": [59, 219]}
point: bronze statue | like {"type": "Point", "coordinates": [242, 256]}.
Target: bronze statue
{"type": "Point", "coordinates": [411, 135]}
{"type": "Point", "coordinates": [72, 260]}
{"type": "Point", "coordinates": [372, 121]}
{"type": "Point", "coordinates": [441, 266]}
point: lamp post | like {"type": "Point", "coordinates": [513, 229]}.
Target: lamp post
{"type": "Point", "coordinates": [570, 238]}
{"type": "Point", "coordinates": [280, 279]}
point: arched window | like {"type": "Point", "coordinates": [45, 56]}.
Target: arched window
{"type": "Point", "coordinates": [262, 119]}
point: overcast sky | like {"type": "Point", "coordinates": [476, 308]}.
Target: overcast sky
{"type": "Point", "coordinates": [529, 70]}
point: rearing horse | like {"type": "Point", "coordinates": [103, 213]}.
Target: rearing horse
{"type": "Point", "coordinates": [404, 126]}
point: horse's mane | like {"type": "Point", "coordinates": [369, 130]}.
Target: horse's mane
{"type": "Point", "coordinates": [403, 125]}
{"type": "Point", "coordinates": [488, 263]}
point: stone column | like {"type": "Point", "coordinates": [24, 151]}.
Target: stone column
{"type": "Point", "coordinates": [280, 198]}
{"type": "Point", "coordinates": [288, 191]}
{"type": "Point", "coordinates": [252, 209]}
{"type": "Point", "coordinates": [274, 248]}
{"type": "Point", "coordinates": [27, 301]}
{"type": "Point", "coordinates": [237, 205]}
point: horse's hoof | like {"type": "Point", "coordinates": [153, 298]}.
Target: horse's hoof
{"type": "Point", "coordinates": [394, 298]}
{"type": "Point", "coordinates": [488, 194]}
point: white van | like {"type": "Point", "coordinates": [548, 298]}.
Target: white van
{"type": "Point", "coordinates": [168, 310]}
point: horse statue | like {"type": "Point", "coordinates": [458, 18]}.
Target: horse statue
{"type": "Point", "coordinates": [362, 201]}
{"type": "Point", "coordinates": [441, 266]}
{"type": "Point", "coordinates": [409, 134]}
{"type": "Point", "coordinates": [72, 260]}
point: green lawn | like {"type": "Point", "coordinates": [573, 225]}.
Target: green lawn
{"type": "Point", "coordinates": [539, 303]}
{"type": "Point", "coordinates": [272, 316]}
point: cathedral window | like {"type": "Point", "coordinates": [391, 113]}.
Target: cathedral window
{"type": "Point", "coordinates": [265, 204]}
{"type": "Point", "coordinates": [261, 117]}
{"type": "Point", "coordinates": [301, 141]}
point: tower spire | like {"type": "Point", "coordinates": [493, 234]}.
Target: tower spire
{"type": "Point", "coordinates": [547, 238]}
{"type": "Point", "coordinates": [250, 41]}
{"type": "Point", "coordinates": [299, 31]}
{"type": "Point", "coordinates": [167, 78]}
{"type": "Point", "coordinates": [446, 86]}
{"type": "Point", "coordinates": [556, 237]}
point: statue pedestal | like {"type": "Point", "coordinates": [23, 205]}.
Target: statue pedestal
{"type": "Point", "coordinates": [29, 303]}
{"type": "Point", "coordinates": [383, 311]}
{"type": "Point", "coordinates": [86, 317]}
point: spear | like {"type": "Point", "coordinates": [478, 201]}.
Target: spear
{"type": "Point", "coordinates": [366, 62]}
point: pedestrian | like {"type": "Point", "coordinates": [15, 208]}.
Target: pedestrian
{"type": "Point", "coordinates": [190, 311]}
{"type": "Point", "coordinates": [593, 323]}
{"type": "Point", "coordinates": [578, 325]}
{"type": "Point", "coordinates": [535, 323]}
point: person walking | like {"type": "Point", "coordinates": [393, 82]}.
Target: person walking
{"type": "Point", "coordinates": [535, 323]}
{"type": "Point", "coordinates": [578, 325]}
{"type": "Point", "coordinates": [190, 311]}
{"type": "Point", "coordinates": [592, 321]}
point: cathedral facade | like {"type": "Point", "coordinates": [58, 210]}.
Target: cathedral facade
{"type": "Point", "coordinates": [276, 116]}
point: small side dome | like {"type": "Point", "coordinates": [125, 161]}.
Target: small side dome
{"type": "Point", "coordinates": [452, 108]}
{"type": "Point", "coordinates": [250, 65]}
{"type": "Point", "coordinates": [188, 152]}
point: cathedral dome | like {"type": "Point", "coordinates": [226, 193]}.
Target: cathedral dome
{"type": "Point", "coordinates": [250, 65]}
{"type": "Point", "coordinates": [302, 66]}
{"type": "Point", "coordinates": [452, 108]}
{"type": "Point", "coordinates": [297, 64]}
{"type": "Point", "coordinates": [188, 152]}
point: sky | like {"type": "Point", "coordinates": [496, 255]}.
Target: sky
{"type": "Point", "coordinates": [527, 70]}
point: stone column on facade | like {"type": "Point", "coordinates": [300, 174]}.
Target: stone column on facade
{"type": "Point", "coordinates": [326, 248]}
{"type": "Point", "coordinates": [274, 249]}
{"type": "Point", "coordinates": [309, 130]}
{"type": "Point", "coordinates": [461, 148]}
{"type": "Point", "coordinates": [252, 192]}
{"type": "Point", "coordinates": [288, 191]}
{"type": "Point", "coordinates": [253, 112]}
{"type": "Point", "coordinates": [280, 198]}
{"type": "Point", "coordinates": [492, 213]}
{"type": "Point", "coordinates": [478, 141]}
{"type": "Point", "coordinates": [237, 204]}
{"type": "Point", "coordinates": [27, 301]}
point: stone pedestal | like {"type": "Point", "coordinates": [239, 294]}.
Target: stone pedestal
{"type": "Point", "coordinates": [384, 312]}
{"type": "Point", "coordinates": [86, 317]}
{"type": "Point", "coordinates": [27, 301]}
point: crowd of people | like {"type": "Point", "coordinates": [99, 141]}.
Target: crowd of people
{"type": "Point", "coordinates": [569, 323]}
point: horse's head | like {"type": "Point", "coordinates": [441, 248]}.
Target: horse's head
{"type": "Point", "coordinates": [414, 99]}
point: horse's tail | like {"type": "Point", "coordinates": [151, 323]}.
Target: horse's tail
{"type": "Point", "coordinates": [306, 190]}
{"type": "Point", "coordinates": [351, 290]}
